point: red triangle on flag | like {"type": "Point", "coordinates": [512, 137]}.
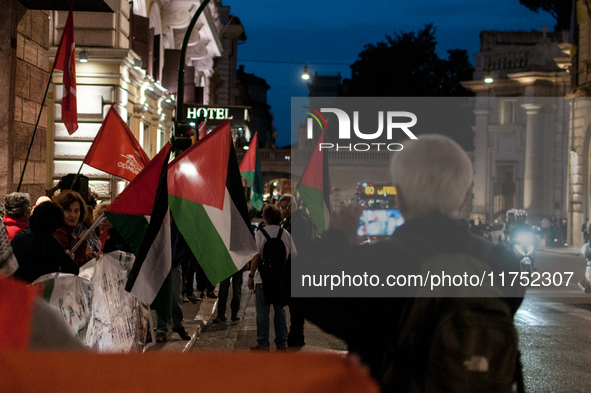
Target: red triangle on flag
{"type": "Point", "coordinates": [199, 173]}
{"type": "Point", "coordinates": [250, 158]}
{"type": "Point", "coordinates": [115, 150]}
{"type": "Point", "coordinates": [313, 174]}
{"type": "Point", "coordinates": [139, 196]}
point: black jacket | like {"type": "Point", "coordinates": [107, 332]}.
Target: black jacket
{"type": "Point", "coordinates": [368, 324]}
{"type": "Point", "coordinates": [38, 256]}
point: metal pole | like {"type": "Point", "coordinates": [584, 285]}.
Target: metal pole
{"type": "Point", "coordinates": [88, 232]}
{"type": "Point", "coordinates": [181, 73]}
{"type": "Point", "coordinates": [76, 177]}
{"type": "Point", "coordinates": [34, 132]}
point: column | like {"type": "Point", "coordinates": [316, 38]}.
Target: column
{"type": "Point", "coordinates": [481, 203]}
{"type": "Point", "coordinates": [531, 173]}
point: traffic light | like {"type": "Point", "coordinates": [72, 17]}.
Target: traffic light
{"type": "Point", "coordinates": [181, 139]}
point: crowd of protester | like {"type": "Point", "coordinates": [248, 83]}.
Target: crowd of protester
{"type": "Point", "coordinates": [43, 239]}
{"type": "Point", "coordinates": [43, 236]}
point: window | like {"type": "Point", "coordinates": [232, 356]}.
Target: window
{"type": "Point", "coordinates": [147, 145]}
{"type": "Point", "coordinates": [160, 139]}
{"type": "Point", "coordinates": [504, 190]}
{"type": "Point", "coordinates": [507, 112]}
{"type": "Point", "coordinates": [141, 38]}
{"type": "Point", "coordinates": [144, 137]}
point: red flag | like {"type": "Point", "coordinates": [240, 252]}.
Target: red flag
{"type": "Point", "coordinates": [200, 177]}
{"type": "Point", "coordinates": [314, 187]}
{"type": "Point", "coordinates": [250, 169]}
{"type": "Point", "coordinates": [115, 150]}
{"type": "Point", "coordinates": [65, 60]}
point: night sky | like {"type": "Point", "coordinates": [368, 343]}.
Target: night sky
{"type": "Point", "coordinates": [314, 32]}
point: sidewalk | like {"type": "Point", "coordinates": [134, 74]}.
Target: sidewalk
{"type": "Point", "coordinates": [241, 335]}
{"type": "Point", "coordinates": [238, 335]}
{"type": "Point", "coordinates": [562, 250]}
{"type": "Point", "coordinates": [196, 316]}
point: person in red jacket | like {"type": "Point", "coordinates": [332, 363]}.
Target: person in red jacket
{"type": "Point", "coordinates": [18, 212]}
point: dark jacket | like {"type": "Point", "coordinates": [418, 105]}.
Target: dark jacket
{"type": "Point", "coordinates": [115, 242]}
{"type": "Point", "coordinates": [38, 256]}
{"type": "Point", "coordinates": [367, 325]}
{"type": "Point", "coordinates": [301, 228]}
{"type": "Point", "coordinates": [65, 236]}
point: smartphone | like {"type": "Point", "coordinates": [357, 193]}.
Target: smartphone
{"type": "Point", "coordinates": [381, 222]}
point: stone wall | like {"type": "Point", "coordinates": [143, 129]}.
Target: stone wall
{"type": "Point", "coordinates": [29, 84]}
{"type": "Point", "coordinates": [8, 34]}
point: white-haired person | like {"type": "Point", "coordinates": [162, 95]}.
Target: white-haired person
{"type": "Point", "coordinates": [433, 179]}
{"type": "Point", "coordinates": [18, 211]}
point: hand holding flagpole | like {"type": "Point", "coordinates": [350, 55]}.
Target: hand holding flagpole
{"type": "Point", "coordinates": [88, 232]}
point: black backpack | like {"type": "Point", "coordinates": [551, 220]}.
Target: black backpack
{"type": "Point", "coordinates": [453, 344]}
{"type": "Point", "coordinates": [274, 270]}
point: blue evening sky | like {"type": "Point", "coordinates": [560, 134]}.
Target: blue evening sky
{"type": "Point", "coordinates": [316, 31]}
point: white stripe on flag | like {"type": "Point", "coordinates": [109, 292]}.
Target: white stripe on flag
{"type": "Point", "coordinates": [156, 266]}
{"type": "Point", "coordinates": [233, 230]}
{"type": "Point", "coordinates": [326, 217]}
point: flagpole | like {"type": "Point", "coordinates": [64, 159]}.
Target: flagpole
{"type": "Point", "coordinates": [181, 74]}
{"type": "Point", "coordinates": [34, 132]}
{"type": "Point", "coordinates": [76, 177]}
{"type": "Point", "coordinates": [89, 232]}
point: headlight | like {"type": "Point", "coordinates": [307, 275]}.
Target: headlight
{"type": "Point", "coordinates": [519, 250]}
{"type": "Point", "coordinates": [525, 238]}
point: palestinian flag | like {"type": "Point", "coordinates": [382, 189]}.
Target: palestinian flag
{"type": "Point", "coordinates": [314, 187]}
{"type": "Point", "coordinates": [250, 169]}
{"type": "Point", "coordinates": [207, 201]}
{"type": "Point", "coordinates": [140, 214]}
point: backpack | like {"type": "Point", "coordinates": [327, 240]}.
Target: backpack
{"type": "Point", "coordinates": [453, 344]}
{"type": "Point", "coordinates": [274, 270]}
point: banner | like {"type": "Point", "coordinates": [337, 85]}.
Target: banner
{"type": "Point", "coordinates": [96, 306]}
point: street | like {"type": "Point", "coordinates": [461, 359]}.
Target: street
{"type": "Point", "coordinates": [553, 331]}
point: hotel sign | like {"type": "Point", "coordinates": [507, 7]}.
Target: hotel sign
{"type": "Point", "coordinates": [212, 113]}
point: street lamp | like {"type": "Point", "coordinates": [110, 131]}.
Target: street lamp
{"type": "Point", "coordinates": [181, 142]}
{"type": "Point", "coordinates": [305, 74]}
{"type": "Point", "coordinates": [83, 56]}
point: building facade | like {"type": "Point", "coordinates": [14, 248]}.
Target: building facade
{"type": "Point", "coordinates": [24, 72]}
{"type": "Point", "coordinates": [133, 58]}
{"type": "Point", "coordinates": [131, 54]}
{"type": "Point", "coordinates": [579, 181]}
{"type": "Point", "coordinates": [522, 125]}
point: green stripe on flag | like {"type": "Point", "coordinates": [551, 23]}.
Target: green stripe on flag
{"type": "Point", "coordinates": [49, 284]}
{"type": "Point", "coordinates": [256, 201]}
{"type": "Point", "coordinates": [203, 238]}
{"type": "Point", "coordinates": [248, 175]}
{"type": "Point", "coordinates": [256, 198]}
{"type": "Point", "coordinates": [131, 227]}
{"type": "Point", "coordinates": [313, 198]}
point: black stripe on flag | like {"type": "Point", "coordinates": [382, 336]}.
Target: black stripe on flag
{"type": "Point", "coordinates": [158, 213]}
{"type": "Point", "coordinates": [235, 189]}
